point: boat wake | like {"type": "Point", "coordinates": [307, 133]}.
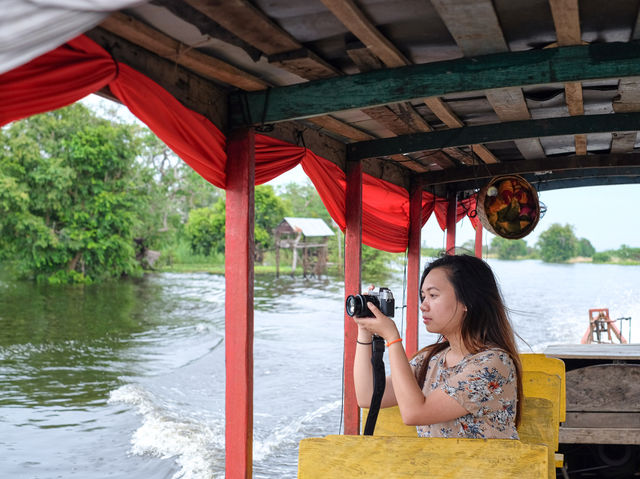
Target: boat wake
{"type": "Point", "coordinates": [196, 444]}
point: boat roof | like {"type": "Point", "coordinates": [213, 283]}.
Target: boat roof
{"type": "Point", "coordinates": [309, 226]}
{"type": "Point", "coordinates": [452, 91]}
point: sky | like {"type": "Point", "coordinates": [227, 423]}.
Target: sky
{"type": "Point", "coordinates": [605, 215]}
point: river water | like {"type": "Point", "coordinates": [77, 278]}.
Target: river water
{"type": "Point", "coordinates": [127, 380]}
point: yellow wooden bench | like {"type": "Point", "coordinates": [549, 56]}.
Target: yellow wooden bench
{"type": "Point", "coordinates": [541, 362]}
{"type": "Point", "coordinates": [553, 366]}
{"type": "Point", "coordinates": [406, 457]}
{"type": "Point", "coordinates": [539, 426]}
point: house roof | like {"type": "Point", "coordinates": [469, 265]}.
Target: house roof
{"type": "Point", "coordinates": [309, 226]}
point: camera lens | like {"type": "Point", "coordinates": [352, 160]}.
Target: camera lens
{"type": "Point", "coordinates": [352, 305]}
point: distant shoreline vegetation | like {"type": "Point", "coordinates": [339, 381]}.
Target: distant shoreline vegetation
{"type": "Point", "coordinates": [558, 244]}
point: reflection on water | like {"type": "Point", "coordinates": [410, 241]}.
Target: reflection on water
{"type": "Point", "coordinates": [127, 379]}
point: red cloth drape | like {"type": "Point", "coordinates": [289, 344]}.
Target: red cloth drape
{"type": "Point", "coordinates": [81, 67]}
{"type": "Point", "coordinates": [56, 79]}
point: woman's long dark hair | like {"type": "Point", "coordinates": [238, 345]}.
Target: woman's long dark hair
{"type": "Point", "coordinates": [485, 324]}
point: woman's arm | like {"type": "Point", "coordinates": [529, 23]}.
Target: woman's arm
{"type": "Point", "coordinates": [363, 374]}
{"type": "Point", "coordinates": [415, 408]}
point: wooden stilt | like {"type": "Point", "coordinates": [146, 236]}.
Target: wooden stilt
{"type": "Point", "coordinates": [452, 211]}
{"type": "Point", "coordinates": [352, 265]}
{"type": "Point", "coordinates": [479, 240]}
{"type": "Point", "coordinates": [239, 254]}
{"type": "Point", "coordinates": [413, 267]}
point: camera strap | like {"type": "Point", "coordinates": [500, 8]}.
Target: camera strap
{"type": "Point", "coordinates": [379, 380]}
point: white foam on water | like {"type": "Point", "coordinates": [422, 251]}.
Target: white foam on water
{"type": "Point", "coordinates": [290, 433]}
{"type": "Point", "coordinates": [196, 445]}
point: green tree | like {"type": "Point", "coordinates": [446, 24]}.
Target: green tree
{"type": "Point", "coordinates": [557, 244]}
{"type": "Point", "coordinates": [269, 212]}
{"type": "Point", "coordinates": [304, 201]}
{"type": "Point", "coordinates": [585, 248]}
{"type": "Point", "coordinates": [68, 199]}
{"type": "Point", "coordinates": [628, 253]}
{"type": "Point", "coordinates": [205, 227]}
{"type": "Point", "coordinates": [508, 249]}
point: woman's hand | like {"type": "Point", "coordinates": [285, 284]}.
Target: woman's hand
{"type": "Point", "coordinates": [379, 325]}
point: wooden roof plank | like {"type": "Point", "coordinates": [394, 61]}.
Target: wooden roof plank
{"type": "Point", "coordinates": [470, 135]}
{"type": "Point", "coordinates": [566, 18]}
{"type": "Point", "coordinates": [357, 23]}
{"type": "Point", "coordinates": [476, 29]}
{"type": "Point", "coordinates": [444, 113]}
{"type": "Point", "coordinates": [250, 24]}
{"type": "Point", "coordinates": [623, 142]}
{"type": "Point", "coordinates": [166, 47]}
{"type": "Point", "coordinates": [304, 63]}
{"type": "Point", "coordinates": [378, 52]}
{"type": "Point", "coordinates": [473, 24]}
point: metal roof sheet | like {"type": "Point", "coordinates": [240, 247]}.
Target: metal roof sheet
{"type": "Point", "coordinates": [309, 226]}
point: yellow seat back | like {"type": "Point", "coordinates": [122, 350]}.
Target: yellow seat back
{"type": "Point", "coordinates": [542, 362]}
{"type": "Point", "coordinates": [539, 425]}
{"type": "Point", "coordinates": [389, 423]}
{"type": "Point", "coordinates": [435, 458]}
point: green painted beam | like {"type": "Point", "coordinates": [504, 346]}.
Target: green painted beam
{"type": "Point", "coordinates": [513, 130]}
{"type": "Point", "coordinates": [379, 87]}
{"type": "Point", "coordinates": [539, 168]}
{"type": "Point", "coordinates": [614, 175]}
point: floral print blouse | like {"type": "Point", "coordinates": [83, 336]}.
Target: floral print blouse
{"type": "Point", "coordinates": [484, 384]}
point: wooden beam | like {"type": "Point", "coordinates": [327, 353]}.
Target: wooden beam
{"type": "Point", "coordinates": [193, 91]}
{"type": "Point", "coordinates": [566, 179]}
{"type": "Point", "coordinates": [476, 29]}
{"type": "Point", "coordinates": [249, 23]}
{"type": "Point", "coordinates": [452, 219]}
{"type": "Point", "coordinates": [495, 133]}
{"type": "Point", "coordinates": [304, 63]}
{"type": "Point", "coordinates": [239, 245]}
{"type": "Point", "coordinates": [446, 114]}
{"type": "Point", "coordinates": [401, 118]}
{"type": "Point", "coordinates": [352, 285]}
{"type": "Point", "coordinates": [540, 166]}
{"type": "Point", "coordinates": [623, 142]}
{"type": "Point", "coordinates": [413, 266]}
{"type": "Point", "coordinates": [566, 18]}
{"type": "Point", "coordinates": [380, 87]}
{"type": "Point", "coordinates": [166, 47]}
{"type": "Point", "coordinates": [357, 23]}
{"type": "Point", "coordinates": [473, 24]}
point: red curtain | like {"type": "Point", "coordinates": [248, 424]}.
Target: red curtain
{"type": "Point", "coordinates": [59, 78]}
{"type": "Point", "coordinates": [81, 67]}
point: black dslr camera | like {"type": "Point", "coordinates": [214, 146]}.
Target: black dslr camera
{"type": "Point", "coordinates": [357, 304]}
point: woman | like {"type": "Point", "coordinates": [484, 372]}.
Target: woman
{"type": "Point", "coordinates": [468, 383]}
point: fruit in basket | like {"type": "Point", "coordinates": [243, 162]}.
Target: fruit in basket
{"type": "Point", "coordinates": [510, 206]}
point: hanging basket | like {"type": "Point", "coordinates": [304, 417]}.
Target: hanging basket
{"type": "Point", "coordinates": [508, 207]}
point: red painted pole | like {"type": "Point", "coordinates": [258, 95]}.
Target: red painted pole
{"type": "Point", "coordinates": [479, 240]}
{"type": "Point", "coordinates": [239, 254]}
{"type": "Point", "coordinates": [452, 218]}
{"type": "Point", "coordinates": [413, 267]}
{"type": "Point", "coordinates": [352, 265]}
